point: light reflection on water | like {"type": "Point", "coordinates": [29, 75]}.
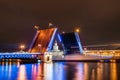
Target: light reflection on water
{"type": "Point", "coordinates": [59, 71]}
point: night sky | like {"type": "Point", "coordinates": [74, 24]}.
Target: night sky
{"type": "Point", "coordinates": [99, 20]}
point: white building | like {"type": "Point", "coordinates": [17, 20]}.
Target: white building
{"type": "Point", "coordinates": [54, 54]}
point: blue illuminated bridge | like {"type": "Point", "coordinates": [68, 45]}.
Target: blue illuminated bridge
{"type": "Point", "coordinates": [20, 55]}
{"type": "Point", "coordinates": [43, 42]}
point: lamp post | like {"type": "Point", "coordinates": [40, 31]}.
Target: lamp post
{"type": "Point", "coordinates": [22, 47]}
{"type": "Point", "coordinates": [77, 30]}
{"type": "Point", "coordinates": [39, 45]}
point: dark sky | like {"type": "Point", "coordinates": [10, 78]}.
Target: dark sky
{"type": "Point", "coordinates": [99, 20]}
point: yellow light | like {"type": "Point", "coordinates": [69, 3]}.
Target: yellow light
{"type": "Point", "coordinates": [22, 47]}
{"type": "Point", "coordinates": [39, 45]}
{"type": "Point", "coordinates": [77, 30]}
{"type": "Point", "coordinates": [22, 73]}
{"type": "Point", "coordinates": [50, 24]}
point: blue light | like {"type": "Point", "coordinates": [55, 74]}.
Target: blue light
{"type": "Point", "coordinates": [51, 41]}
{"type": "Point", "coordinates": [59, 38]}
{"type": "Point", "coordinates": [79, 43]}
{"type": "Point", "coordinates": [33, 41]}
{"type": "Point", "coordinates": [39, 61]}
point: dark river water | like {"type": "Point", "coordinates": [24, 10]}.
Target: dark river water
{"type": "Point", "coordinates": [59, 71]}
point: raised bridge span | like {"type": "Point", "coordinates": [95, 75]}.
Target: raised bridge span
{"type": "Point", "coordinates": [43, 42]}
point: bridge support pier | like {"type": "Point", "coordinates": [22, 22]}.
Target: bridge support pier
{"type": "Point", "coordinates": [47, 57]}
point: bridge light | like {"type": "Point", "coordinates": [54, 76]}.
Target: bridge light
{"type": "Point", "coordinates": [22, 47]}
{"type": "Point", "coordinates": [40, 46]}
{"type": "Point", "coordinates": [36, 27]}
{"type": "Point", "coordinates": [77, 30]}
{"type": "Point", "coordinates": [50, 24]}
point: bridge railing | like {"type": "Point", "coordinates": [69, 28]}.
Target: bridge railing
{"type": "Point", "coordinates": [19, 55]}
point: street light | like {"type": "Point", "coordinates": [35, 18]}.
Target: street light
{"type": "Point", "coordinates": [39, 45]}
{"type": "Point", "coordinates": [22, 47]}
{"type": "Point", "coordinates": [77, 30]}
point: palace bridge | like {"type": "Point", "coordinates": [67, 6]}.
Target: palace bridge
{"type": "Point", "coordinates": [43, 42]}
{"type": "Point", "coordinates": [42, 48]}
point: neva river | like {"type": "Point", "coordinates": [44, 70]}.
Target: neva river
{"type": "Point", "coordinates": [59, 71]}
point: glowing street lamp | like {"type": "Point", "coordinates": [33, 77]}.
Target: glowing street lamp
{"type": "Point", "coordinates": [77, 30]}
{"type": "Point", "coordinates": [22, 47]}
{"type": "Point", "coordinates": [63, 32]}
{"type": "Point", "coordinates": [40, 46]}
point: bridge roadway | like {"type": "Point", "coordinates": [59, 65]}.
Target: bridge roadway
{"type": "Point", "coordinates": [20, 55]}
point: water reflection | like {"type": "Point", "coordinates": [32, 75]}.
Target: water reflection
{"type": "Point", "coordinates": [48, 68]}
{"type": "Point", "coordinates": [92, 71]}
{"type": "Point", "coordinates": [59, 71]}
{"type": "Point", "coordinates": [22, 73]}
{"type": "Point", "coordinates": [113, 71]}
